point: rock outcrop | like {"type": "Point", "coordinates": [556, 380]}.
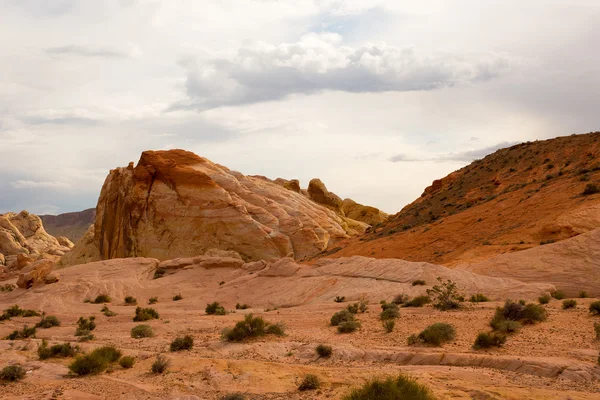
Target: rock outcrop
{"type": "Point", "coordinates": [36, 274]}
{"type": "Point", "coordinates": [177, 204]}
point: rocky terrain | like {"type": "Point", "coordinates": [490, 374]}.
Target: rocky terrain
{"type": "Point", "coordinates": [72, 225]}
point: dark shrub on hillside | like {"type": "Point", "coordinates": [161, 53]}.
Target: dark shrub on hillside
{"type": "Point", "coordinates": [340, 317]}
{"type": "Point", "coordinates": [160, 365]}
{"type": "Point", "coordinates": [486, 340]}
{"type": "Point", "coordinates": [583, 294]}
{"type": "Point", "coordinates": [591, 188]}
{"type": "Point", "coordinates": [390, 311]}
{"type": "Point", "coordinates": [239, 306]}
{"type": "Point", "coordinates": [324, 351]}
{"type": "Point", "coordinates": [402, 387]}
{"type": "Point", "coordinates": [444, 296]}
{"type": "Point", "coordinates": [182, 343]}
{"type": "Point", "coordinates": [310, 382]}
{"type": "Point", "coordinates": [250, 327]}
{"type": "Point", "coordinates": [142, 331]}
{"type": "Point", "coordinates": [58, 350]}
{"type": "Point", "coordinates": [48, 322]}
{"type": "Point", "coordinates": [544, 299]}
{"type": "Point", "coordinates": [400, 299]}
{"type": "Point", "coordinates": [109, 353]}
{"type": "Point", "coordinates": [85, 326]}
{"type": "Point", "coordinates": [389, 325]}
{"type": "Point", "coordinates": [233, 396]}
{"type": "Point", "coordinates": [177, 297]}
{"type": "Point", "coordinates": [418, 301]}
{"type": "Point", "coordinates": [130, 301]}
{"type": "Point", "coordinates": [153, 300]}
{"type": "Point", "coordinates": [275, 329]}
{"type": "Point", "coordinates": [339, 299]}
{"type": "Point", "coordinates": [160, 272]}
{"type": "Point", "coordinates": [595, 307]}
{"type": "Point", "coordinates": [145, 314]}
{"type": "Point", "coordinates": [533, 313]}
{"type": "Point", "coordinates": [25, 333]}
{"type": "Point", "coordinates": [419, 282]}
{"type": "Point", "coordinates": [348, 326]}
{"type": "Point", "coordinates": [12, 373]}
{"type": "Point", "coordinates": [438, 333]}
{"type": "Point", "coordinates": [569, 304]}
{"type": "Point", "coordinates": [103, 298]}
{"type": "Point", "coordinates": [558, 294]}
{"type": "Point", "coordinates": [88, 365]}
{"type": "Point", "coordinates": [127, 362]}
{"type": "Point", "coordinates": [479, 298]}
{"type": "Point", "coordinates": [215, 308]}
{"type": "Point", "coordinates": [107, 312]}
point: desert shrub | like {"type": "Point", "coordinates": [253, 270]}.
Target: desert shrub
{"type": "Point", "coordinates": [48, 322]}
{"type": "Point", "coordinates": [160, 272]}
{"type": "Point", "coordinates": [145, 314]}
{"type": "Point", "coordinates": [401, 387]}
{"type": "Point", "coordinates": [215, 308]}
{"type": "Point", "coordinates": [182, 343]}
{"type": "Point", "coordinates": [239, 306]}
{"type": "Point", "coordinates": [16, 311]}
{"type": "Point", "coordinates": [444, 296]}
{"type": "Point", "coordinates": [160, 365]}
{"type": "Point", "coordinates": [595, 307]}
{"type": "Point", "coordinates": [58, 350]}
{"type": "Point", "coordinates": [88, 365]}
{"type": "Point", "coordinates": [142, 331]}
{"type": "Point", "coordinates": [544, 299]}
{"type": "Point", "coordinates": [479, 298]}
{"type": "Point", "coordinates": [25, 333]}
{"type": "Point", "coordinates": [12, 373]}
{"type": "Point", "coordinates": [339, 299]}
{"type": "Point", "coordinates": [109, 353]}
{"type": "Point", "coordinates": [419, 282]}
{"type": "Point", "coordinates": [413, 339]}
{"type": "Point", "coordinates": [591, 188]}
{"type": "Point", "coordinates": [249, 327]}
{"type": "Point", "coordinates": [363, 306]}
{"type": "Point", "coordinates": [569, 304]}
{"type": "Point", "coordinates": [513, 311]}
{"type": "Point", "coordinates": [348, 326]}
{"type": "Point", "coordinates": [7, 287]}
{"type": "Point", "coordinates": [341, 316]}
{"type": "Point", "coordinates": [309, 382]}
{"type": "Point", "coordinates": [130, 301]}
{"type": "Point", "coordinates": [86, 336]}
{"type": "Point", "coordinates": [583, 294]}
{"type": "Point", "coordinates": [400, 299]}
{"type": "Point", "coordinates": [438, 333]}
{"type": "Point", "coordinates": [522, 302]}
{"type": "Point", "coordinates": [486, 340]}
{"type": "Point", "coordinates": [107, 312]}
{"type": "Point", "coordinates": [597, 329]}
{"type": "Point", "coordinates": [389, 325]}
{"type": "Point", "coordinates": [153, 300]}
{"type": "Point", "coordinates": [233, 396]}
{"type": "Point", "coordinates": [103, 298]}
{"type": "Point", "coordinates": [507, 326]}
{"type": "Point", "coordinates": [418, 301]}
{"type": "Point", "coordinates": [390, 311]}
{"type": "Point", "coordinates": [30, 313]}
{"type": "Point", "coordinates": [127, 362]}
{"type": "Point", "coordinates": [177, 297]}
{"type": "Point", "coordinates": [85, 326]}
{"type": "Point", "coordinates": [324, 350]}
{"type": "Point", "coordinates": [558, 294]}
{"type": "Point", "coordinates": [275, 329]}
{"type": "Point", "coordinates": [533, 313]}
{"type": "Point", "coordinates": [353, 308]}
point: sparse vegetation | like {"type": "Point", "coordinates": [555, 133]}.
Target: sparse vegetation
{"type": "Point", "coordinates": [109, 353]}
{"type": "Point", "coordinates": [160, 365]}
{"type": "Point", "coordinates": [591, 188]}
{"type": "Point", "coordinates": [389, 325]}
{"type": "Point", "coordinates": [233, 396]}
{"type": "Point", "coordinates": [558, 294]}
{"type": "Point", "coordinates": [107, 312]}
{"type": "Point", "coordinates": [142, 331]}
{"type": "Point", "coordinates": [239, 306]}
{"type": "Point", "coordinates": [341, 316]}
{"type": "Point", "coordinates": [309, 382]}
{"type": "Point", "coordinates": [7, 287]}
{"type": "Point", "coordinates": [127, 362]}
{"type": "Point", "coordinates": [160, 272]}
{"type": "Point", "coordinates": [348, 326]}
{"type": "Point", "coordinates": [182, 343]}
{"type": "Point", "coordinates": [486, 340]}
{"type": "Point", "coordinates": [153, 300]}
{"type": "Point", "coordinates": [479, 298]}
{"type": "Point", "coordinates": [390, 311]}
{"type": "Point", "coordinates": [569, 304]}
{"type": "Point", "coordinates": [544, 299]}
{"type": "Point", "coordinates": [595, 308]}
{"type": "Point", "coordinates": [401, 387]}
{"type": "Point", "coordinates": [250, 327]}
{"type": "Point", "coordinates": [16, 311]}
{"type": "Point", "coordinates": [215, 308]}
{"type": "Point", "coordinates": [339, 299]}
{"type": "Point", "coordinates": [47, 322]}
{"type": "Point", "coordinates": [58, 350]}
{"type": "Point", "coordinates": [12, 373]}
{"type": "Point", "coordinates": [419, 282]}
{"type": "Point", "coordinates": [435, 334]}
{"type": "Point", "coordinates": [324, 350]}
{"type": "Point", "coordinates": [95, 362]}
{"type": "Point", "coordinates": [85, 326]}
{"type": "Point", "coordinates": [418, 301]}
{"type": "Point", "coordinates": [508, 319]}
{"type": "Point", "coordinates": [583, 294]}
{"type": "Point", "coordinates": [103, 298]}
{"type": "Point", "coordinates": [444, 296]}
{"type": "Point", "coordinates": [177, 297]}
{"type": "Point", "coordinates": [401, 299]}
{"type": "Point", "coordinates": [275, 329]}
{"type": "Point", "coordinates": [130, 301]}
{"type": "Point", "coordinates": [145, 314]}
{"type": "Point", "coordinates": [25, 333]}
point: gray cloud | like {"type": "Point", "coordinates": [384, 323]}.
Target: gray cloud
{"type": "Point", "coordinates": [84, 51]}
{"type": "Point", "coordinates": [40, 120]}
{"type": "Point", "coordinates": [404, 158]}
{"type": "Point", "coordinates": [465, 156]}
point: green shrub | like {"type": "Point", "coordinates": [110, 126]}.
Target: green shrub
{"type": "Point", "coordinates": [30, 313]}
{"type": "Point", "coordinates": [153, 300]}
{"type": "Point", "coordinates": [27, 332]}
{"type": "Point", "coordinates": [160, 272]}
{"type": "Point", "coordinates": [16, 311]}
{"type": "Point", "coordinates": [418, 301]}
{"type": "Point", "coordinates": [9, 287]}
{"type": "Point", "coordinates": [533, 313]}
{"type": "Point", "coordinates": [127, 362]}
{"type": "Point", "coordinates": [486, 340]}
{"type": "Point", "coordinates": [389, 325]}
{"type": "Point", "coordinates": [419, 282]}
{"type": "Point", "coordinates": [558, 294]}
{"type": "Point", "coordinates": [438, 333]}
{"type": "Point", "coordinates": [86, 336]}
{"type": "Point", "coordinates": [507, 326]}
{"type": "Point", "coordinates": [215, 308]}
{"type": "Point", "coordinates": [310, 382]}
{"type": "Point", "coordinates": [182, 343]}
{"type": "Point", "coordinates": [88, 365]}
{"type": "Point", "coordinates": [130, 301]}
{"type": "Point", "coordinates": [48, 322]}
{"type": "Point", "coordinates": [340, 317]}
{"type": "Point", "coordinates": [85, 326]}
{"type": "Point", "coordinates": [12, 373]}
{"type": "Point", "coordinates": [348, 326]}
{"type": "Point", "coordinates": [339, 299]}
{"type": "Point", "coordinates": [103, 298]}
{"type": "Point", "coordinates": [512, 311]}
{"type": "Point", "coordinates": [239, 306]}
{"type": "Point", "coordinates": [177, 297]}
{"type": "Point", "coordinates": [109, 353]}
{"type": "Point", "coordinates": [522, 302]}
{"type": "Point", "coordinates": [233, 396]}
{"type": "Point", "coordinates": [569, 304]}
{"type": "Point", "coordinates": [145, 314]}
{"type": "Point", "coordinates": [275, 329]}
{"type": "Point", "coordinates": [107, 312]}
{"type": "Point", "coordinates": [597, 329]}
{"type": "Point", "coordinates": [583, 294]}
{"type": "Point", "coordinates": [58, 350]}
{"type": "Point", "coordinates": [324, 350]}
{"type": "Point", "coordinates": [591, 188]}
{"type": "Point", "coordinates": [444, 296]}
{"type": "Point", "coordinates": [142, 331]}
{"type": "Point", "coordinates": [479, 298]}
{"type": "Point", "coordinates": [413, 339]}
{"type": "Point", "coordinates": [353, 308]}
{"type": "Point", "coordinates": [249, 327]}
{"type": "Point", "coordinates": [160, 365]}
{"type": "Point", "coordinates": [401, 299]}
{"type": "Point", "coordinates": [390, 311]}
{"type": "Point", "coordinates": [544, 299]}
{"type": "Point", "coordinates": [595, 307]}
{"type": "Point", "coordinates": [401, 387]}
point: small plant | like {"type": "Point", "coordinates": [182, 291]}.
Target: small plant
{"type": "Point", "coordinates": [48, 322]}
{"type": "Point", "coordinates": [107, 312]}
{"type": "Point", "coordinates": [324, 350]}
{"type": "Point", "coordinates": [239, 306]}
{"type": "Point", "coordinates": [339, 299]}
{"type": "Point", "coordinates": [88, 365]}
{"type": "Point", "coordinates": [348, 326]}
{"type": "Point", "coordinates": [389, 325]}
{"type": "Point", "coordinates": [142, 331]}
{"type": "Point", "coordinates": [418, 301]}
{"type": "Point", "coordinates": [275, 329]}
{"type": "Point", "coordinates": [413, 339]}
{"type": "Point", "coordinates": [109, 353]}
{"type": "Point", "coordinates": [486, 340]}
{"type": "Point", "coordinates": [7, 287]}
{"type": "Point", "coordinates": [569, 304]}
{"type": "Point", "coordinates": [444, 296]}
{"type": "Point", "coordinates": [591, 188]}
{"type": "Point", "coordinates": [558, 294]}
{"type": "Point", "coordinates": [145, 314]}
{"type": "Point", "coordinates": [353, 308]}
{"type": "Point", "coordinates": [182, 343]}
{"type": "Point", "coordinates": [12, 373]}
{"type": "Point", "coordinates": [25, 333]}
{"type": "Point", "coordinates": [544, 299]}
{"type": "Point", "coordinates": [310, 382]}
{"type": "Point", "coordinates": [160, 272]}
{"type": "Point", "coordinates": [16, 311]}
{"type": "Point", "coordinates": [249, 327]}
{"type": "Point", "coordinates": [341, 316]}
{"type": "Point", "coordinates": [177, 297]}
{"type": "Point", "coordinates": [130, 301]}
{"type": "Point", "coordinates": [401, 299]}
{"type": "Point", "coordinates": [583, 294]}
{"type": "Point", "coordinates": [595, 308]}
{"type": "Point", "coordinates": [390, 311]}
{"type": "Point", "coordinates": [437, 334]}
{"type": "Point", "coordinates": [127, 362]}
{"type": "Point", "coordinates": [103, 298]}
{"type": "Point", "coordinates": [85, 326]}
{"type": "Point", "coordinates": [401, 387]}
{"type": "Point", "coordinates": [221, 283]}
{"type": "Point", "coordinates": [363, 306]}
{"type": "Point", "coordinates": [479, 298]}
{"type": "Point", "coordinates": [215, 308]}
{"type": "Point", "coordinates": [160, 365]}
{"type": "Point", "coordinates": [233, 396]}
{"type": "Point", "coordinates": [58, 350]}
{"type": "Point", "coordinates": [86, 337]}
{"type": "Point", "coordinates": [419, 282]}
{"type": "Point", "coordinates": [153, 300]}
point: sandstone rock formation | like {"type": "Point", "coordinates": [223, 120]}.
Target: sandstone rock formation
{"type": "Point", "coordinates": [177, 204]}
{"type": "Point", "coordinates": [36, 274]}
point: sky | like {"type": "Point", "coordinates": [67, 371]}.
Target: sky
{"type": "Point", "coordinates": [376, 98]}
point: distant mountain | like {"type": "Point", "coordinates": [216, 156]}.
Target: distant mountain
{"type": "Point", "coordinates": [72, 225]}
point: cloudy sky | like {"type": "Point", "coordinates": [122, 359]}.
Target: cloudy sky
{"type": "Point", "coordinates": [377, 98]}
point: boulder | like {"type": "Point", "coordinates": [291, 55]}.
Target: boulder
{"type": "Point", "coordinates": [2, 259]}
{"type": "Point", "coordinates": [52, 277]}
{"type": "Point", "coordinates": [23, 260]}
{"type": "Point", "coordinates": [35, 273]}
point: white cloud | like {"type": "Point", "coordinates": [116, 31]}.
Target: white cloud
{"type": "Point", "coordinates": [21, 184]}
